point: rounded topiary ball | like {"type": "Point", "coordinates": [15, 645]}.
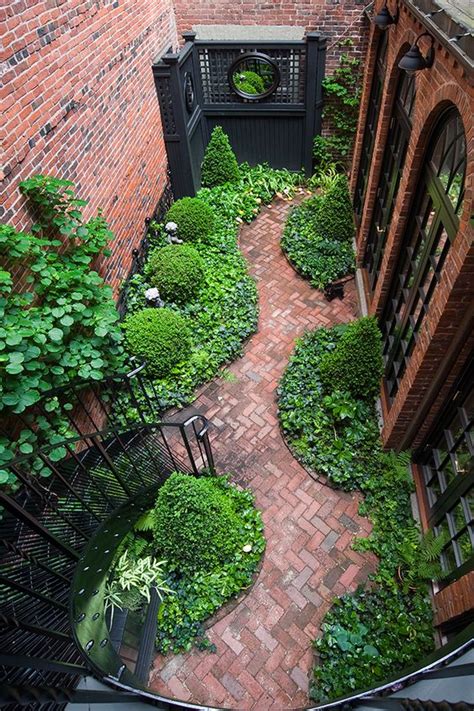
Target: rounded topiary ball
{"type": "Point", "coordinates": [195, 219]}
{"type": "Point", "coordinates": [177, 271]}
{"type": "Point", "coordinates": [195, 523]}
{"type": "Point", "coordinates": [160, 336]}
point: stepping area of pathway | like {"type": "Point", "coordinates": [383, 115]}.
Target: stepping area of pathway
{"type": "Point", "coordinates": [264, 655]}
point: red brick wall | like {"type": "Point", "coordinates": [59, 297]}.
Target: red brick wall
{"type": "Point", "coordinates": [78, 101]}
{"type": "Point", "coordinates": [329, 17]}
{"type": "Point", "coordinates": [449, 320]}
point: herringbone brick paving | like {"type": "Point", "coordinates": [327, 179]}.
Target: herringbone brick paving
{"type": "Point", "coordinates": [264, 654]}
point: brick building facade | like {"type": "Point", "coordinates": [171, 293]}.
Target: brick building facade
{"type": "Point", "coordinates": [78, 101]}
{"type": "Point", "coordinates": [414, 159]}
{"type": "Point", "coordinates": [332, 18]}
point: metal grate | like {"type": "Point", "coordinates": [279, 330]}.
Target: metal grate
{"type": "Point", "coordinates": [214, 63]}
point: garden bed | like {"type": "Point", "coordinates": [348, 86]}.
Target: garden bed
{"type": "Point", "coordinates": [318, 235]}
{"type": "Point", "coordinates": [327, 415]}
{"type": "Point", "coordinates": [224, 311]}
{"type": "Point", "coordinates": [204, 543]}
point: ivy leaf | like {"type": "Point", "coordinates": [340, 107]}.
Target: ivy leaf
{"type": "Point", "coordinates": [13, 339]}
{"type": "Point", "coordinates": [67, 321]}
{"type": "Point", "coordinates": [14, 368]}
{"type": "Point", "coordinates": [26, 448]}
{"type": "Point", "coordinates": [58, 453]}
{"type": "Point", "coordinates": [4, 476]}
{"type": "Point", "coordinates": [370, 651]}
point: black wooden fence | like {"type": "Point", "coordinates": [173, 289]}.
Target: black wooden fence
{"type": "Point", "coordinates": [195, 95]}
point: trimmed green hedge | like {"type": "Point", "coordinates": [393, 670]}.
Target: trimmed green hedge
{"type": "Point", "coordinates": [195, 220]}
{"type": "Point", "coordinates": [318, 235]}
{"type": "Point", "coordinates": [177, 271]}
{"type": "Point", "coordinates": [161, 337]}
{"type": "Point", "coordinates": [196, 526]}
{"type": "Point", "coordinates": [356, 363]}
{"type": "Point", "coordinates": [220, 164]}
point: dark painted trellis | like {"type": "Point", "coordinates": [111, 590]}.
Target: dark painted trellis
{"type": "Point", "coordinates": [195, 96]}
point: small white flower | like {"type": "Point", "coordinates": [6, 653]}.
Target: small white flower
{"type": "Point", "coordinates": [247, 548]}
{"type": "Point", "coordinates": [152, 294]}
{"type": "Point", "coordinates": [171, 227]}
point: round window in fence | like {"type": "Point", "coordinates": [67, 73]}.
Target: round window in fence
{"type": "Point", "coordinates": [254, 76]}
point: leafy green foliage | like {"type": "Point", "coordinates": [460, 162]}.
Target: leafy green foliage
{"type": "Point", "coordinates": [368, 636]}
{"type": "Point", "coordinates": [319, 259]}
{"type": "Point", "coordinates": [335, 432]}
{"type": "Point", "coordinates": [333, 216]}
{"type": "Point", "coordinates": [161, 337]}
{"type": "Point", "coordinates": [420, 558]}
{"type": "Point", "coordinates": [342, 90]}
{"type": "Point", "coordinates": [196, 526]}
{"type": "Point", "coordinates": [201, 590]}
{"type": "Point", "coordinates": [220, 164]}
{"type": "Point", "coordinates": [355, 364]}
{"type": "Point", "coordinates": [195, 219]}
{"type": "Point", "coordinates": [318, 234]}
{"type": "Point", "coordinates": [131, 579]}
{"type": "Point", "coordinates": [59, 322]}
{"type": "Point", "coordinates": [177, 270]}
{"type": "Point", "coordinates": [224, 313]}
{"type": "Point", "coordinates": [249, 82]}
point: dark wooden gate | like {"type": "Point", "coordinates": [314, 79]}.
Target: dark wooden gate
{"type": "Point", "coordinates": [195, 95]}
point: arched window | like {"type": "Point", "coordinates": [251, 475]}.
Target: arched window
{"type": "Point", "coordinates": [370, 124]}
{"type": "Point", "coordinates": [432, 226]}
{"type": "Point", "coordinates": [390, 174]}
{"type": "Point", "coordinates": [446, 464]}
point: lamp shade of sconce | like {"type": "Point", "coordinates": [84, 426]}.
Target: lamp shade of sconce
{"type": "Point", "coordinates": [384, 18]}
{"type": "Point", "coordinates": [413, 61]}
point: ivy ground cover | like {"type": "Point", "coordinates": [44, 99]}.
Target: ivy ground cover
{"type": "Point", "coordinates": [223, 313]}
{"type": "Point", "coordinates": [327, 413]}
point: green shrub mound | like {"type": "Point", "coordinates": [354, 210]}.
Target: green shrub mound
{"type": "Point", "coordinates": [160, 336]}
{"type": "Point", "coordinates": [356, 363]}
{"type": "Point", "coordinates": [318, 234]}
{"type": "Point", "coordinates": [196, 525]}
{"type": "Point", "coordinates": [333, 219]}
{"type": "Point", "coordinates": [249, 82]}
{"type": "Point", "coordinates": [224, 312]}
{"type": "Point", "coordinates": [195, 219]}
{"type": "Point", "coordinates": [177, 271]}
{"type": "Point", "coordinates": [208, 536]}
{"type": "Point", "coordinates": [331, 426]}
{"type": "Point", "coordinates": [220, 164]}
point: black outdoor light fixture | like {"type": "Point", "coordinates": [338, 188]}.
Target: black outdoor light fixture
{"type": "Point", "coordinates": [384, 18]}
{"type": "Point", "coordinates": [413, 61]}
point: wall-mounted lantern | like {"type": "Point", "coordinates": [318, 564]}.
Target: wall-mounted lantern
{"type": "Point", "coordinates": [413, 61]}
{"type": "Point", "coordinates": [384, 18]}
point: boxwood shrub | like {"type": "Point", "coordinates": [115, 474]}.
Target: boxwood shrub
{"type": "Point", "coordinates": [196, 526]}
{"type": "Point", "coordinates": [161, 337]}
{"type": "Point", "coordinates": [177, 270]}
{"type": "Point", "coordinates": [194, 218]}
{"type": "Point", "coordinates": [332, 429]}
{"type": "Point", "coordinates": [318, 234]}
{"type": "Point", "coordinates": [220, 164]}
{"type": "Point", "coordinates": [356, 363]}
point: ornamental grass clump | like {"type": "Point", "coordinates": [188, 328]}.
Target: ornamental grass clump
{"type": "Point", "coordinates": [220, 164]}
{"type": "Point", "coordinates": [195, 219]}
{"type": "Point", "coordinates": [355, 364]}
{"type": "Point", "coordinates": [161, 337]}
{"type": "Point", "coordinates": [177, 271]}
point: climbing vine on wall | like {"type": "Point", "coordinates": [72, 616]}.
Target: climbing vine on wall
{"type": "Point", "coordinates": [342, 90]}
{"type": "Point", "coordinates": [58, 318]}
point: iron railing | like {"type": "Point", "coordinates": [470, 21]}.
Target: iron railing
{"type": "Point", "coordinates": [117, 453]}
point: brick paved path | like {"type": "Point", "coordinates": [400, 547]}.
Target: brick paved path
{"type": "Point", "coordinates": [264, 652]}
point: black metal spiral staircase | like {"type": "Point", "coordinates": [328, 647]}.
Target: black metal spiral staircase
{"type": "Point", "coordinates": [59, 536]}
